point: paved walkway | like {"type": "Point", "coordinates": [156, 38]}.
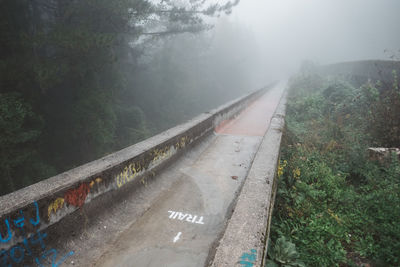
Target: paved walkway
{"type": "Point", "coordinates": [181, 227]}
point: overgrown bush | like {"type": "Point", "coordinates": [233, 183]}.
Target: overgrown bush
{"type": "Point", "coordinates": [336, 206]}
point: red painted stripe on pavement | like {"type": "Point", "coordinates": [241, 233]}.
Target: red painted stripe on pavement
{"type": "Point", "coordinates": [255, 119]}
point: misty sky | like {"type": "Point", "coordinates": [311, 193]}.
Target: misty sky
{"type": "Point", "coordinates": [324, 31]}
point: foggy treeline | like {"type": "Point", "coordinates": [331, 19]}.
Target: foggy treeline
{"type": "Point", "coordinates": [81, 79]}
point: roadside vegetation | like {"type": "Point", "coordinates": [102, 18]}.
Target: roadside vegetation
{"type": "Point", "coordinates": [335, 206]}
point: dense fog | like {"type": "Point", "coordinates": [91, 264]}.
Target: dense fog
{"type": "Point", "coordinates": [290, 31]}
{"type": "Point", "coordinates": [81, 79]}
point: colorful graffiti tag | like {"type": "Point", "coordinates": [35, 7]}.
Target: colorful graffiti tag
{"type": "Point", "coordinates": [158, 154]}
{"type": "Point", "coordinates": [161, 153]}
{"type": "Point", "coordinates": [75, 197]}
{"type": "Point", "coordinates": [128, 173]}
{"type": "Point", "coordinates": [32, 248]}
{"type": "Point", "coordinates": [248, 259]}
{"type": "Point", "coordinates": [55, 206]}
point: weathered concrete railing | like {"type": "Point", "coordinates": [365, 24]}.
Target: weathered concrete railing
{"type": "Point", "coordinates": [244, 242]}
{"type": "Point", "coordinates": [24, 214]}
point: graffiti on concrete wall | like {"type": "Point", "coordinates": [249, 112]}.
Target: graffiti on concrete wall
{"type": "Point", "coordinates": [21, 240]}
{"type": "Point", "coordinates": [130, 171]}
{"type": "Point", "coordinates": [55, 206]}
{"type": "Point", "coordinates": [181, 143]}
{"type": "Point", "coordinates": [166, 152]}
{"type": "Point", "coordinates": [75, 197]}
{"type": "Point", "coordinates": [161, 153]}
{"type": "Point", "coordinates": [248, 259]}
{"type": "Point", "coordinates": [32, 248]}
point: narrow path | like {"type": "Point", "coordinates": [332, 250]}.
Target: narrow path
{"type": "Point", "coordinates": [180, 228]}
{"type": "Point", "coordinates": [254, 120]}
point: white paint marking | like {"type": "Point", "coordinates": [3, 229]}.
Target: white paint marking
{"type": "Point", "coordinates": [181, 216]}
{"type": "Point", "coordinates": [189, 218]}
{"type": "Point", "coordinates": [177, 237]}
{"type": "Point", "coordinates": [172, 213]}
{"type": "Point", "coordinates": [176, 215]}
{"type": "Point", "coordinates": [200, 221]}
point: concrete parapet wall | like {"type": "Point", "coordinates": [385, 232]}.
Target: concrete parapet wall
{"type": "Point", "coordinates": [362, 71]}
{"type": "Point", "coordinates": [244, 242]}
{"type": "Point", "coordinates": [24, 214]}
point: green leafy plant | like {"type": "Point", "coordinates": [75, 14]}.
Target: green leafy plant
{"type": "Point", "coordinates": [338, 207]}
{"type": "Point", "coordinates": [283, 254]}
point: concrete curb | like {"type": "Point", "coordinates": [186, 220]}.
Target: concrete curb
{"type": "Point", "coordinates": [36, 207]}
{"type": "Point", "coordinates": [244, 242]}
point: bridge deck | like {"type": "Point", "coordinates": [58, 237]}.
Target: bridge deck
{"type": "Point", "coordinates": [186, 206]}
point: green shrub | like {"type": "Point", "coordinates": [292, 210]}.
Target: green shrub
{"type": "Point", "coordinates": [337, 207]}
{"type": "Point", "coordinates": [283, 254]}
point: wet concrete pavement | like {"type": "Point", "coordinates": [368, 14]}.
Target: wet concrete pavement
{"type": "Point", "coordinates": [254, 120]}
{"type": "Point", "coordinates": [181, 227]}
